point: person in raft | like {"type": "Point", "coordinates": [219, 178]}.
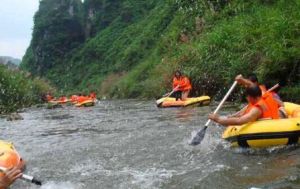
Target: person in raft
{"type": "Point", "coordinates": [252, 80]}
{"type": "Point", "coordinates": [258, 108]}
{"type": "Point", "coordinates": [181, 85]}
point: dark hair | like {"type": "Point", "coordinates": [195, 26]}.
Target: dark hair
{"type": "Point", "coordinates": [179, 72]}
{"type": "Point", "coordinates": [253, 78]}
{"type": "Point", "coordinates": [253, 91]}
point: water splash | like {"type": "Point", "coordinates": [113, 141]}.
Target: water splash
{"type": "Point", "coordinates": [61, 185]}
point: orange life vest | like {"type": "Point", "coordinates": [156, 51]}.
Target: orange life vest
{"type": "Point", "coordinates": [63, 98]}
{"type": "Point", "coordinates": [49, 97]}
{"type": "Point", "coordinates": [183, 82]}
{"type": "Point", "coordinates": [267, 106]}
{"type": "Point", "coordinates": [83, 98]}
{"type": "Point", "coordinates": [93, 95]}
{"type": "Point", "coordinates": [74, 98]}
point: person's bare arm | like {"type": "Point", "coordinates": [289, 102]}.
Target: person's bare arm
{"type": "Point", "coordinates": [245, 82]}
{"type": "Point", "coordinates": [253, 115]}
{"type": "Point", "coordinates": [239, 113]}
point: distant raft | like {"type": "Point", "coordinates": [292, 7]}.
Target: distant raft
{"type": "Point", "coordinates": [168, 102]}
{"type": "Point", "coordinates": [59, 101]}
{"type": "Point", "coordinates": [267, 133]}
{"type": "Point", "coordinates": [86, 103]}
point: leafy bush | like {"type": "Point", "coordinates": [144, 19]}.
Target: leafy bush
{"type": "Point", "coordinates": [18, 90]}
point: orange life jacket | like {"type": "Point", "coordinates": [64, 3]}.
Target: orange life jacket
{"type": "Point", "coordinates": [267, 106]}
{"type": "Point", "coordinates": [93, 95]}
{"type": "Point", "coordinates": [83, 98]}
{"type": "Point", "coordinates": [49, 97]}
{"type": "Point", "coordinates": [183, 82]}
{"type": "Point", "coordinates": [63, 98]}
{"type": "Point", "coordinates": [74, 98]}
{"type": "Point", "coordinates": [272, 104]}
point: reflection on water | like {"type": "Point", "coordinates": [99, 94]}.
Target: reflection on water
{"type": "Point", "coordinates": [132, 144]}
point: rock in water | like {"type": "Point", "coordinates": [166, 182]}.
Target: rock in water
{"type": "Point", "coordinates": [14, 117]}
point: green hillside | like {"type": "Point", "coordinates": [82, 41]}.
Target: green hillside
{"type": "Point", "coordinates": [130, 48]}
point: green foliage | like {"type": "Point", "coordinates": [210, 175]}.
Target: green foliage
{"type": "Point", "coordinates": [19, 90]}
{"type": "Point", "coordinates": [134, 46]}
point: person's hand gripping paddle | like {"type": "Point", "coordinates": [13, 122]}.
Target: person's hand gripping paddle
{"type": "Point", "coordinates": [197, 139]}
{"type": "Point", "coordinates": [160, 101]}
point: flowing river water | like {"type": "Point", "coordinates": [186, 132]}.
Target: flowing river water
{"type": "Point", "coordinates": [132, 144]}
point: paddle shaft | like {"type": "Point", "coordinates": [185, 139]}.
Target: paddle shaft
{"type": "Point", "coordinates": [170, 93]}
{"type": "Point", "coordinates": [223, 100]}
{"type": "Point", "coordinates": [274, 87]}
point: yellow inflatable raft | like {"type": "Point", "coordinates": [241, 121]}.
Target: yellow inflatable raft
{"type": "Point", "coordinates": [86, 103]}
{"type": "Point", "coordinates": [267, 133]}
{"type": "Point", "coordinates": [171, 102]}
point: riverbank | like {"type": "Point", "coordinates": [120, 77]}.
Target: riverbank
{"type": "Point", "coordinates": [19, 89]}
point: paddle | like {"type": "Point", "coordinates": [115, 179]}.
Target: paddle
{"type": "Point", "coordinates": [26, 177]}
{"type": "Point", "coordinates": [274, 87]}
{"type": "Point", "coordinates": [160, 101]}
{"type": "Point", "coordinates": [200, 134]}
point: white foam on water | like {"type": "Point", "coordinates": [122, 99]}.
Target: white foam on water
{"type": "Point", "coordinates": [87, 168]}
{"type": "Point", "coordinates": [61, 185]}
{"type": "Point", "coordinates": [150, 178]}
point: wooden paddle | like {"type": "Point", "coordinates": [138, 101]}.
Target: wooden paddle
{"type": "Point", "coordinates": [200, 134]}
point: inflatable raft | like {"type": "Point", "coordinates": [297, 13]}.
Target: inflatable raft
{"type": "Point", "coordinates": [267, 133]}
{"type": "Point", "coordinates": [9, 157]}
{"type": "Point", "coordinates": [169, 102]}
{"type": "Point", "coordinates": [59, 101]}
{"type": "Point", "coordinates": [86, 103]}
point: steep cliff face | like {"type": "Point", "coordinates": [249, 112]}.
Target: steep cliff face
{"type": "Point", "coordinates": [130, 48]}
{"type": "Point", "coordinates": [98, 36]}
{"type": "Point", "coordinates": [58, 28]}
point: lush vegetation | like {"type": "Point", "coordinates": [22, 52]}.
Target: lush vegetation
{"type": "Point", "coordinates": [130, 48]}
{"type": "Point", "coordinates": [19, 89]}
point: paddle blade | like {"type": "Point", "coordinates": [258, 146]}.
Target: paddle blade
{"type": "Point", "coordinates": [160, 101]}
{"type": "Point", "coordinates": [197, 139]}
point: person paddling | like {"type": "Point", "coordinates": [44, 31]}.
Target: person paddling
{"type": "Point", "coordinates": [258, 108]}
{"type": "Point", "coordinates": [181, 85]}
{"type": "Point", "coordinates": [269, 96]}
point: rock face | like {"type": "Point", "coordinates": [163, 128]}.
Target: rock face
{"type": "Point", "coordinates": [14, 117]}
{"type": "Point", "coordinates": [58, 29]}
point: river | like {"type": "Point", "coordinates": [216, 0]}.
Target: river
{"type": "Point", "coordinates": [132, 144]}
